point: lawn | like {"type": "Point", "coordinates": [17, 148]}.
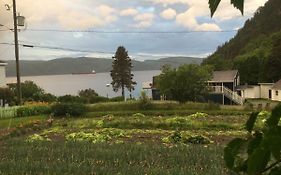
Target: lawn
{"type": "Point", "coordinates": [130, 143]}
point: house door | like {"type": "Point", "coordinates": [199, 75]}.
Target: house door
{"type": "Point", "coordinates": [270, 94]}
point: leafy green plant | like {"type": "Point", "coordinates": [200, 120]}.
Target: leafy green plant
{"type": "Point", "coordinates": [138, 115]}
{"type": "Point", "coordinates": [26, 111]}
{"type": "Point", "coordinates": [179, 137]}
{"type": "Point", "coordinates": [197, 139]}
{"type": "Point", "coordinates": [199, 115]}
{"type": "Point", "coordinates": [37, 138]}
{"type": "Point", "coordinates": [260, 152]}
{"type": "Point", "coordinates": [68, 109]}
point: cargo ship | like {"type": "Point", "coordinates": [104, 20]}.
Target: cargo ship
{"type": "Point", "coordinates": [83, 73]}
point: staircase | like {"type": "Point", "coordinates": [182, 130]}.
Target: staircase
{"type": "Point", "coordinates": [228, 93]}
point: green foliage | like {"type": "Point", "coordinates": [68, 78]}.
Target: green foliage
{"type": "Point", "coordinates": [7, 95]}
{"type": "Point", "coordinates": [97, 137]}
{"type": "Point", "coordinates": [71, 99]}
{"type": "Point", "coordinates": [30, 93]}
{"type": "Point", "coordinates": [274, 61]}
{"type": "Point", "coordinates": [37, 138]}
{"type": "Point", "coordinates": [87, 137]}
{"type": "Point", "coordinates": [178, 137]}
{"type": "Point", "coordinates": [213, 5]}
{"type": "Point", "coordinates": [121, 74]}
{"type": "Point", "coordinates": [117, 99]}
{"type": "Point", "coordinates": [260, 152]}
{"type": "Point", "coordinates": [144, 101]}
{"type": "Point", "coordinates": [187, 83]}
{"type": "Point", "coordinates": [68, 109]}
{"type": "Point", "coordinates": [26, 111]}
{"type": "Point", "coordinates": [138, 115]}
{"type": "Point", "coordinates": [89, 95]}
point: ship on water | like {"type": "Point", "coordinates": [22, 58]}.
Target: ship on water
{"type": "Point", "coordinates": [83, 73]}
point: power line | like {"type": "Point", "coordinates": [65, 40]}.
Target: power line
{"type": "Point", "coordinates": [59, 48]}
{"type": "Point", "coordinates": [128, 31]}
{"type": "Point", "coordinates": [77, 50]}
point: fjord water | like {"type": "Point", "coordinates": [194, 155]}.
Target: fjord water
{"type": "Point", "coordinates": [70, 84]}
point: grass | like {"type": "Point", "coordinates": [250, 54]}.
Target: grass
{"type": "Point", "coordinates": [14, 122]}
{"type": "Point", "coordinates": [154, 105]}
{"type": "Point", "coordinates": [19, 157]}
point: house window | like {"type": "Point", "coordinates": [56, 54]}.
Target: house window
{"type": "Point", "coordinates": [277, 93]}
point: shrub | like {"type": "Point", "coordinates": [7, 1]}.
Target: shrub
{"type": "Point", "coordinates": [71, 99]}
{"type": "Point", "coordinates": [68, 109]}
{"type": "Point", "coordinates": [144, 101]}
{"type": "Point", "coordinates": [97, 99]}
{"type": "Point", "coordinates": [116, 99]}
{"type": "Point", "coordinates": [26, 111]}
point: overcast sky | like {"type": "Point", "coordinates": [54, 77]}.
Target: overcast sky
{"type": "Point", "coordinates": [206, 33]}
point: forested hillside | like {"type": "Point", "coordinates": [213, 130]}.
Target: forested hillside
{"type": "Point", "coordinates": [256, 49]}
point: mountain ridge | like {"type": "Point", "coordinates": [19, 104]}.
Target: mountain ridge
{"type": "Point", "coordinates": [69, 65]}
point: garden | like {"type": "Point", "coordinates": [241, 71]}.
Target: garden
{"type": "Point", "coordinates": [132, 137]}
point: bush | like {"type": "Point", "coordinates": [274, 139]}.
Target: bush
{"type": "Point", "coordinates": [71, 99]}
{"type": "Point", "coordinates": [116, 99]}
{"type": "Point", "coordinates": [68, 109]}
{"type": "Point", "coordinates": [26, 111]}
{"type": "Point", "coordinates": [144, 101]}
{"type": "Point", "coordinates": [97, 99]}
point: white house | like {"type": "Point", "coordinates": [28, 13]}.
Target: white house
{"type": "Point", "coordinates": [3, 74]}
{"type": "Point", "coordinates": [276, 91]}
{"type": "Point", "coordinates": [262, 90]}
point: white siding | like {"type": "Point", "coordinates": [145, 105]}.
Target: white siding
{"type": "Point", "coordinates": [251, 92]}
{"type": "Point", "coordinates": [276, 95]}
{"type": "Point", "coordinates": [265, 90]}
{"type": "Point", "coordinates": [2, 76]}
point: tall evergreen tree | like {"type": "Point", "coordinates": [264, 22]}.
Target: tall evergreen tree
{"type": "Point", "coordinates": [121, 72]}
{"type": "Point", "coordinates": [274, 62]}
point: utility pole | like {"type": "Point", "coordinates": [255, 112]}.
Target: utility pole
{"type": "Point", "coordinates": [19, 94]}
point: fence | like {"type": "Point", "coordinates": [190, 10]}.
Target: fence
{"type": "Point", "coordinates": [8, 112]}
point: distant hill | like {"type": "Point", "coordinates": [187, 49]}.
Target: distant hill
{"type": "Point", "coordinates": [86, 64]}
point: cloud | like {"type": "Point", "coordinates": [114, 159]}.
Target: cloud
{"type": "Point", "coordinates": [144, 20]}
{"type": "Point", "coordinates": [169, 14]}
{"type": "Point", "coordinates": [129, 12]}
{"type": "Point", "coordinates": [66, 14]}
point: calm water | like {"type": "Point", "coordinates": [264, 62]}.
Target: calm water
{"type": "Point", "coordinates": [71, 84]}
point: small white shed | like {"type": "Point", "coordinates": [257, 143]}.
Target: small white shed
{"type": "Point", "coordinates": [276, 91]}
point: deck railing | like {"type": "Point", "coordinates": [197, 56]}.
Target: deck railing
{"type": "Point", "coordinates": [228, 93]}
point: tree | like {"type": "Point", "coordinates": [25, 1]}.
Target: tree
{"type": "Point", "coordinates": [121, 72]}
{"type": "Point", "coordinates": [7, 96]}
{"type": "Point", "coordinates": [88, 95]}
{"type": "Point", "coordinates": [187, 83]}
{"type": "Point", "coordinates": [30, 91]}
{"type": "Point", "coordinates": [274, 62]}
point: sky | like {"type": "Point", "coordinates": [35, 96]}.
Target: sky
{"type": "Point", "coordinates": [149, 29]}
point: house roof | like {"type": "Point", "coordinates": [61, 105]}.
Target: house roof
{"type": "Point", "coordinates": [277, 85]}
{"type": "Point", "coordinates": [147, 85]}
{"type": "Point", "coordinates": [224, 76]}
